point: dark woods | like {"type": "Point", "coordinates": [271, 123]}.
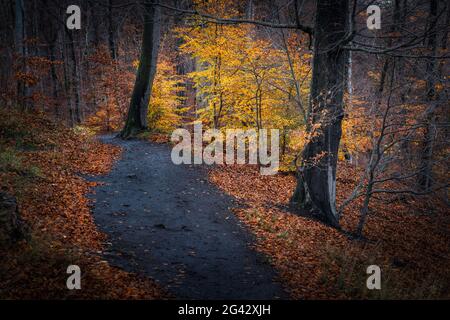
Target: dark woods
{"type": "Point", "coordinates": [360, 97]}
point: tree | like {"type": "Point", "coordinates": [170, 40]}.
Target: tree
{"type": "Point", "coordinates": [137, 113]}
{"type": "Point", "coordinates": [425, 178]}
{"type": "Point", "coordinates": [243, 79]}
{"type": "Point", "coordinates": [316, 186]}
{"type": "Point", "coordinates": [21, 50]}
{"type": "Point", "coordinates": [404, 139]}
{"type": "Point", "coordinates": [165, 114]}
{"type": "Point", "coordinates": [111, 31]}
{"type": "Point", "coordinates": [75, 111]}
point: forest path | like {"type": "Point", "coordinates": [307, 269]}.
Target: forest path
{"type": "Point", "coordinates": [169, 223]}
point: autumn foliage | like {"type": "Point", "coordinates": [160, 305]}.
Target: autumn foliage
{"type": "Point", "coordinates": [59, 89]}
{"type": "Point", "coordinates": [316, 261]}
{"type": "Point", "coordinates": [41, 163]}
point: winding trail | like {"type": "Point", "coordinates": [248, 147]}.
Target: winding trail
{"type": "Point", "coordinates": [169, 223]}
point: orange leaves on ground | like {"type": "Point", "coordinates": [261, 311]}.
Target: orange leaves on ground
{"type": "Point", "coordinates": [318, 262]}
{"type": "Point", "coordinates": [53, 202]}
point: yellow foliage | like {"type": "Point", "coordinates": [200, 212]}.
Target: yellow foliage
{"type": "Point", "coordinates": [164, 113]}
{"type": "Point", "coordinates": [244, 80]}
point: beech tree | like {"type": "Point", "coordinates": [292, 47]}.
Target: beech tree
{"type": "Point", "coordinates": [316, 186]}
{"type": "Point", "coordinates": [137, 113]}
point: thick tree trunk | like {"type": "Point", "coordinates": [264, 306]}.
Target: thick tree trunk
{"type": "Point", "coordinates": [318, 173]}
{"type": "Point", "coordinates": [137, 113]}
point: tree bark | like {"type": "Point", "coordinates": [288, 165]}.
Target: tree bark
{"type": "Point", "coordinates": [318, 172]}
{"type": "Point", "coordinates": [75, 83]}
{"type": "Point", "coordinates": [51, 38]}
{"type": "Point", "coordinates": [137, 113]}
{"type": "Point", "coordinates": [21, 52]}
{"type": "Point", "coordinates": [54, 77]}
{"type": "Point", "coordinates": [111, 32]}
{"type": "Point", "coordinates": [425, 176]}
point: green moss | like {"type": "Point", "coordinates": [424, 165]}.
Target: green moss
{"type": "Point", "coordinates": [10, 161]}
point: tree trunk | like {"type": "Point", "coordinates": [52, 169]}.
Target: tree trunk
{"type": "Point", "coordinates": [425, 176]}
{"type": "Point", "coordinates": [111, 36]}
{"type": "Point", "coordinates": [326, 103]}
{"type": "Point", "coordinates": [67, 94]}
{"type": "Point", "coordinates": [137, 113]}
{"type": "Point", "coordinates": [51, 39]}
{"type": "Point", "coordinates": [75, 83]}
{"type": "Point", "coordinates": [54, 77]}
{"type": "Point", "coordinates": [19, 39]}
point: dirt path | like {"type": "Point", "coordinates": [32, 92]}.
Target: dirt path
{"type": "Point", "coordinates": [169, 223]}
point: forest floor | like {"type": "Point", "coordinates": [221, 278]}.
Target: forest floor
{"type": "Point", "coordinates": [407, 237]}
{"type": "Point", "coordinates": [159, 231]}
{"type": "Point", "coordinates": [40, 165]}
{"type": "Point", "coordinates": [169, 223]}
{"type": "Point", "coordinates": [187, 227]}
